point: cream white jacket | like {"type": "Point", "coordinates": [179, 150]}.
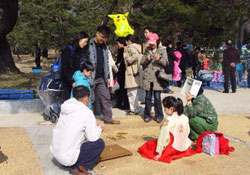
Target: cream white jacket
{"type": "Point", "coordinates": [181, 140]}
{"type": "Point", "coordinates": [76, 125]}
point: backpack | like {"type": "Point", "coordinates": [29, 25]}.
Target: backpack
{"type": "Point", "coordinates": [57, 65]}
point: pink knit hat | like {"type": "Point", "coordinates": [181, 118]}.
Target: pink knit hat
{"type": "Point", "coordinates": [153, 38]}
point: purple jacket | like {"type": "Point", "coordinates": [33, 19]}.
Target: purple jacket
{"type": "Point", "coordinates": [230, 55]}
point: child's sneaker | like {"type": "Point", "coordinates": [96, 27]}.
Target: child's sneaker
{"type": "Point", "coordinates": [132, 113]}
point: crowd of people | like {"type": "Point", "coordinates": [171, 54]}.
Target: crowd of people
{"type": "Point", "coordinates": [76, 141]}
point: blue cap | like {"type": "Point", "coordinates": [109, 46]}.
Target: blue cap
{"type": "Point", "coordinates": [56, 67]}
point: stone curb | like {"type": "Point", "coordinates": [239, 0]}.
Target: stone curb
{"type": "Point", "coordinates": [21, 106]}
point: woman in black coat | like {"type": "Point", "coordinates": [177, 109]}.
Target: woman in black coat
{"type": "Point", "coordinates": [171, 57]}
{"type": "Point", "coordinates": [70, 60]}
{"type": "Point", "coordinates": [170, 66]}
{"type": "Point", "coordinates": [121, 94]}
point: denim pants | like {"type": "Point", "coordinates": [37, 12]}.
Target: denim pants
{"type": "Point", "coordinates": [239, 75]}
{"type": "Point", "coordinates": [248, 79]}
{"type": "Point", "coordinates": [157, 103]}
{"type": "Point", "coordinates": [89, 154]}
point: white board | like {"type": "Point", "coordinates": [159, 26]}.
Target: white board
{"type": "Point", "coordinates": [191, 86]}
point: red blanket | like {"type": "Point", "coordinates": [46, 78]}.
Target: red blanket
{"type": "Point", "coordinates": [224, 147]}
{"type": "Point", "coordinates": [148, 150]}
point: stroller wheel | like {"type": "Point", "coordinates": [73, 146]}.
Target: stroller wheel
{"type": "Point", "coordinates": [46, 117]}
{"type": "Point", "coordinates": [53, 118]}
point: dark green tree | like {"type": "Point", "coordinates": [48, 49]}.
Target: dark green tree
{"type": "Point", "coordinates": [7, 23]}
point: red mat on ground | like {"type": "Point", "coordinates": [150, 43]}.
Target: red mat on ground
{"type": "Point", "coordinates": [148, 150]}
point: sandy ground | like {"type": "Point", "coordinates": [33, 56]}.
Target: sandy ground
{"type": "Point", "coordinates": [21, 156]}
{"type": "Point", "coordinates": [135, 132]}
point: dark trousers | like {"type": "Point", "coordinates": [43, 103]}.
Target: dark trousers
{"type": "Point", "coordinates": [229, 74]}
{"type": "Point", "coordinates": [89, 154]}
{"type": "Point", "coordinates": [194, 71]}
{"type": "Point", "coordinates": [96, 105]}
{"type": "Point", "coordinates": [183, 76]}
{"type": "Point", "coordinates": [67, 90]}
{"type": "Point", "coordinates": [157, 103]}
{"type": "Point", "coordinates": [121, 95]}
{"type": "Point", "coordinates": [38, 61]}
{"type": "Point", "coordinates": [102, 90]}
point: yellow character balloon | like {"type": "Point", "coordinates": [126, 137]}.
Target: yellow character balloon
{"type": "Point", "coordinates": [123, 28]}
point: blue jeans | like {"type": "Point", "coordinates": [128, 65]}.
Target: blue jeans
{"type": "Point", "coordinates": [157, 103]}
{"type": "Point", "coordinates": [89, 154]}
{"type": "Point", "coordinates": [248, 79]}
{"type": "Point", "coordinates": [167, 90]}
{"type": "Point", "coordinates": [239, 75]}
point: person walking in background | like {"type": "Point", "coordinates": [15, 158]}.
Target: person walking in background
{"type": "Point", "coordinates": [45, 53]}
{"type": "Point", "coordinates": [132, 54]}
{"type": "Point", "coordinates": [121, 93]}
{"type": "Point", "coordinates": [247, 69]}
{"type": "Point", "coordinates": [177, 70]}
{"type": "Point", "coordinates": [71, 60]}
{"type": "Point", "coordinates": [239, 72]}
{"type": "Point", "coordinates": [231, 57]}
{"type": "Point", "coordinates": [171, 57]}
{"type": "Point", "coordinates": [99, 57]}
{"type": "Point", "coordinates": [154, 60]}
{"type": "Point", "coordinates": [183, 62]}
{"type": "Point", "coordinates": [144, 45]}
{"type": "Point", "coordinates": [206, 63]}
{"type": "Point", "coordinates": [193, 62]}
{"type": "Point", "coordinates": [170, 66]}
{"type": "Point", "coordinates": [217, 70]}
{"type": "Point", "coordinates": [147, 31]}
{"type": "Point", "coordinates": [38, 57]}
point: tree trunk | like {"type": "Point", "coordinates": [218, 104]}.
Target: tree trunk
{"type": "Point", "coordinates": [7, 23]}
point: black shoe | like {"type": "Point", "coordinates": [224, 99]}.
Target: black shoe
{"type": "Point", "coordinates": [124, 108]}
{"type": "Point", "coordinates": [147, 119]}
{"type": "Point", "coordinates": [158, 120]}
{"type": "Point", "coordinates": [234, 91]}
{"type": "Point", "coordinates": [226, 92]}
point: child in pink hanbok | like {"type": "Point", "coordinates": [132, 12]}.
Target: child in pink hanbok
{"type": "Point", "coordinates": [177, 70]}
{"type": "Point", "coordinates": [217, 71]}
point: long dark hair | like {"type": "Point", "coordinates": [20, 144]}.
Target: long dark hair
{"type": "Point", "coordinates": [131, 38]}
{"type": "Point", "coordinates": [77, 38]}
{"type": "Point", "coordinates": [174, 102]}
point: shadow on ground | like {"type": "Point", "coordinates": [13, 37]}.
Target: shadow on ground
{"type": "Point", "coordinates": [57, 164]}
{"type": "Point", "coordinates": [149, 138]}
{"type": "Point", "coordinates": [3, 157]}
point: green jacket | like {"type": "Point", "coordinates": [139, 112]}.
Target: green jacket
{"type": "Point", "coordinates": [217, 66]}
{"type": "Point", "coordinates": [201, 107]}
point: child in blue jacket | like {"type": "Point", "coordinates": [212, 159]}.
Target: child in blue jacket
{"type": "Point", "coordinates": [82, 78]}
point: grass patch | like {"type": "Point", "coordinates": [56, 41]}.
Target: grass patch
{"type": "Point", "coordinates": [27, 80]}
